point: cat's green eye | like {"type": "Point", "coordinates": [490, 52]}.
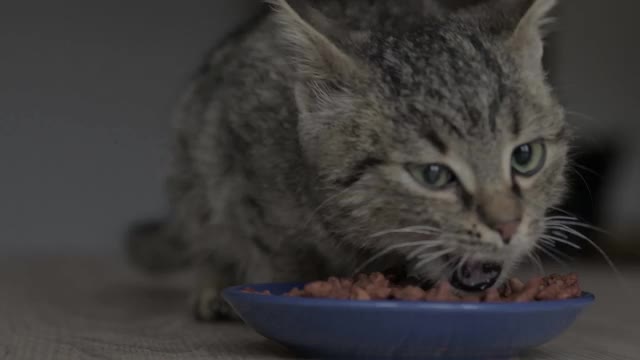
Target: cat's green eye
{"type": "Point", "coordinates": [434, 176]}
{"type": "Point", "coordinates": [528, 159]}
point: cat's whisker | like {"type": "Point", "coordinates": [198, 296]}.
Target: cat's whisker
{"type": "Point", "coordinates": [537, 262]}
{"type": "Point", "coordinates": [564, 225]}
{"type": "Point", "coordinates": [560, 234]}
{"type": "Point", "coordinates": [560, 210]}
{"type": "Point", "coordinates": [453, 261]}
{"type": "Point", "coordinates": [546, 207]}
{"type": "Point", "coordinates": [547, 242]}
{"type": "Point", "coordinates": [322, 205]}
{"type": "Point", "coordinates": [422, 227]}
{"type": "Point", "coordinates": [582, 167]}
{"type": "Point", "coordinates": [551, 246]}
{"type": "Point", "coordinates": [555, 239]}
{"type": "Point", "coordinates": [593, 244]}
{"type": "Point", "coordinates": [554, 218]}
{"type": "Point", "coordinates": [402, 231]}
{"type": "Point", "coordinates": [590, 138]}
{"type": "Point", "coordinates": [580, 225]}
{"type": "Point", "coordinates": [580, 115]}
{"type": "Point", "coordinates": [408, 229]}
{"type": "Point", "coordinates": [421, 249]}
{"type": "Point", "coordinates": [551, 255]}
{"type": "Point", "coordinates": [432, 257]}
{"type": "Point", "coordinates": [416, 229]}
{"type": "Point", "coordinates": [586, 184]}
{"type": "Point", "coordinates": [462, 262]}
{"type": "Point", "coordinates": [393, 248]}
{"type": "Point", "coordinates": [446, 268]}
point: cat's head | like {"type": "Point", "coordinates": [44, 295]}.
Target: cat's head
{"type": "Point", "coordinates": [432, 133]}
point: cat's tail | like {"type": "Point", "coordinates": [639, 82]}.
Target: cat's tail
{"type": "Point", "coordinates": [152, 247]}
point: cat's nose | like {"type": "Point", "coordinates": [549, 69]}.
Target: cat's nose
{"type": "Point", "coordinates": [507, 230]}
{"type": "Point", "coordinates": [502, 212]}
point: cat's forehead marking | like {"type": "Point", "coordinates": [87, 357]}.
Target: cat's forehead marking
{"type": "Point", "coordinates": [456, 78]}
{"type": "Point", "coordinates": [436, 141]}
{"type": "Point", "coordinates": [516, 127]}
{"type": "Point", "coordinates": [494, 69]}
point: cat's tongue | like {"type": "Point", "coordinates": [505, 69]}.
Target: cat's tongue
{"type": "Point", "coordinates": [476, 276]}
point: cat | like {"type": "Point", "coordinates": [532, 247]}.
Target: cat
{"type": "Point", "coordinates": [337, 136]}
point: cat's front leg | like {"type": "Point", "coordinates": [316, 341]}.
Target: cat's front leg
{"type": "Point", "coordinates": [249, 264]}
{"type": "Point", "coordinates": [254, 262]}
{"type": "Point", "coordinates": [212, 277]}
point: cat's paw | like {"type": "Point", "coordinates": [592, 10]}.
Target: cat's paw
{"type": "Point", "coordinates": [209, 306]}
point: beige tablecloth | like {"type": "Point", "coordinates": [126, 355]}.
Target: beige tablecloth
{"type": "Point", "coordinates": [71, 309]}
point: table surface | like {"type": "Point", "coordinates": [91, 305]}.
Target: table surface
{"type": "Point", "coordinates": [98, 309]}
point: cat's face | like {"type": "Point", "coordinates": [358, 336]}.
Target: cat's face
{"type": "Point", "coordinates": [438, 142]}
{"type": "Point", "coordinates": [447, 189]}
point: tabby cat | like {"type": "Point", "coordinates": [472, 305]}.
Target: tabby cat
{"type": "Point", "coordinates": [333, 136]}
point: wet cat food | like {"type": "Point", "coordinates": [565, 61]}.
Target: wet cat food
{"type": "Point", "coordinates": [378, 287]}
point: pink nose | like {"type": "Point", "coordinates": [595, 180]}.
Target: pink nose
{"type": "Point", "coordinates": [507, 230]}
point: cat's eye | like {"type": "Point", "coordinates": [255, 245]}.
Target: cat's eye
{"type": "Point", "coordinates": [433, 176]}
{"type": "Point", "coordinates": [528, 159]}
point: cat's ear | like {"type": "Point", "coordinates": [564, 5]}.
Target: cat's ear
{"type": "Point", "coordinates": [323, 68]}
{"type": "Point", "coordinates": [527, 40]}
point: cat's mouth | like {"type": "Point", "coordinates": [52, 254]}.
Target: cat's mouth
{"type": "Point", "coordinates": [476, 276]}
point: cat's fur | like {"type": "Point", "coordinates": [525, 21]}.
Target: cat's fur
{"type": "Point", "coordinates": [292, 142]}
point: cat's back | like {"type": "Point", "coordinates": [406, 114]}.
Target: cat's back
{"type": "Point", "coordinates": [242, 73]}
{"type": "Point", "coordinates": [251, 69]}
{"type": "Point", "coordinates": [237, 124]}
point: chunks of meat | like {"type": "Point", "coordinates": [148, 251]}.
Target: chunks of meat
{"type": "Point", "coordinates": [378, 287]}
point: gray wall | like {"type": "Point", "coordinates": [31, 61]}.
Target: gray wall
{"type": "Point", "coordinates": [86, 91]}
{"type": "Point", "coordinates": [597, 69]}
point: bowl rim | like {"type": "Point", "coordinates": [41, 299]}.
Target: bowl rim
{"type": "Point", "coordinates": [235, 292]}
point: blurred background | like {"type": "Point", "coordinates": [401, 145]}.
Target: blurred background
{"type": "Point", "coordinates": [87, 91]}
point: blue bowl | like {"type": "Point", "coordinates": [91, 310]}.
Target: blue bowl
{"type": "Point", "coordinates": [343, 329]}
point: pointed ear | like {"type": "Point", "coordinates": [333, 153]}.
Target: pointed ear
{"type": "Point", "coordinates": [527, 41]}
{"type": "Point", "coordinates": [322, 67]}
